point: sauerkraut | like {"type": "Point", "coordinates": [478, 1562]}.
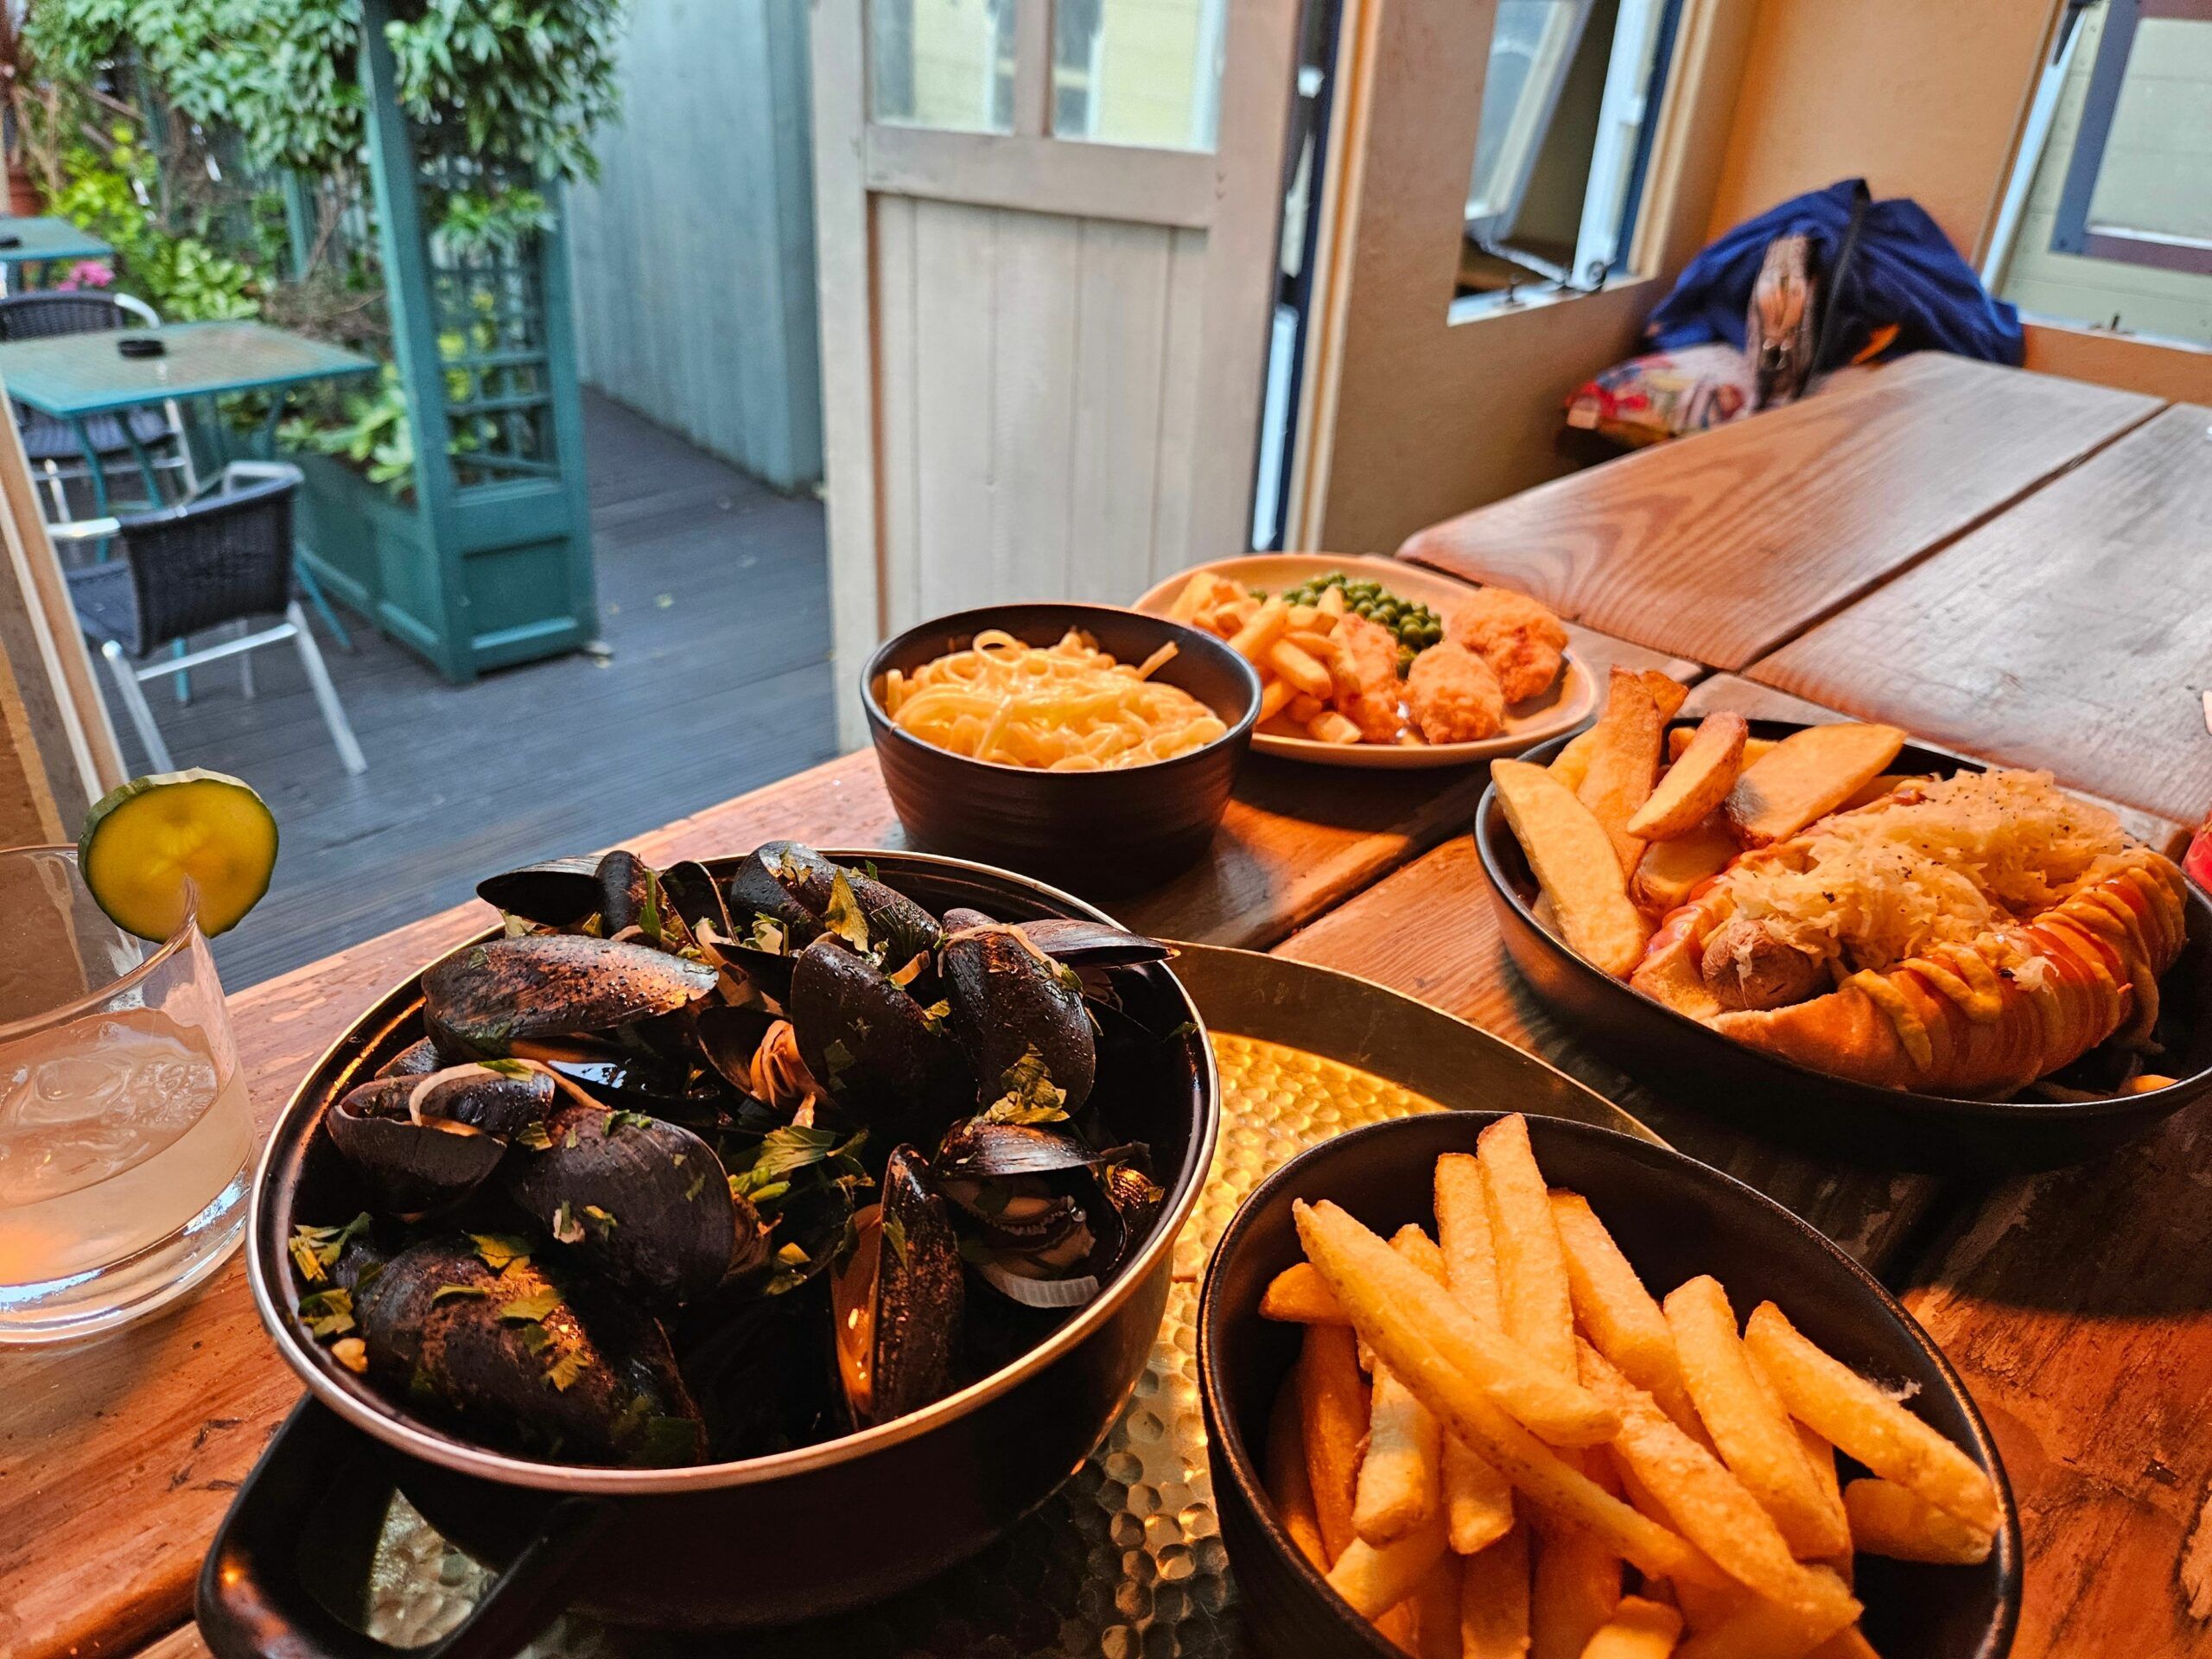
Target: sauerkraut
{"type": "Point", "coordinates": [1944, 863]}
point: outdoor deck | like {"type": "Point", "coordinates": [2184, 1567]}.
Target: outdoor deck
{"type": "Point", "coordinates": [714, 599]}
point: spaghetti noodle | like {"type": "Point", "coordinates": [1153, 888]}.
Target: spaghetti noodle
{"type": "Point", "coordinates": [1068, 707]}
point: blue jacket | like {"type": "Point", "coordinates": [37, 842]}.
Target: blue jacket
{"type": "Point", "coordinates": [1904, 271]}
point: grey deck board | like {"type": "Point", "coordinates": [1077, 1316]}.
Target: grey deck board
{"type": "Point", "coordinates": [714, 595]}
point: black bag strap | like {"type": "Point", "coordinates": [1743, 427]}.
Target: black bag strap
{"type": "Point", "coordinates": [1832, 280]}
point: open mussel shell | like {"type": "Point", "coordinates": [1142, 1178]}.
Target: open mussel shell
{"type": "Point", "coordinates": [1050, 1215]}
{"type": "Point", "coordinates": [644, 1202]}
{"type": "Point", "coordinates": [559, 892]}
{"type": "Point", "coordinates": [1084, 944]}
{"type": "Point", "coordinates": [418, 1059]}
{"type": "Point", "coordinates": [899, 1298]}
{"type": "Point", "coordinates": [792, 884]}
{"type": "Point", "coordinates": [412, 1167]}
{"type": "Point", "coordinates": [503, 1099]}
{"type": "Point", "coordinates": [1008, 999]}
{"type": "Point", "coordinates": [512, 1358]}
{"type": "Point", "coordinates": [484, 1000]}
{"type": "Point", "coordinates": [689, 889]}
{"type": "Point", "coordinates": [878, 1056]}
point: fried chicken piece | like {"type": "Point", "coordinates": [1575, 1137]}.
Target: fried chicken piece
{"type": "Point", "coordinates": [1520, 640]}
{"type": "Point", "coordinates": [1363, 665]}
{"type": "Point", "coordinates": [1454, 696]}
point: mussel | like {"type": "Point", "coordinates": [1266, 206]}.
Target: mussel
{"type": "Point", "coordinates": [883, 1058]}
{"type": "Point", "coordinates": [559, 892]}
{"type": "Point", "coordinates": [515, 1356]}
{"type": "Point", "coordinates": [422, 1143]}
{"type": "Point", "coordinates": [793, 885]}
{"type": "Point", "coordinates": [1050, 1215]}
{"type": "Point", "coordinates": [491, 1000]}
{"type": "Point", "coordinates": [643, 1201]}
{"type": "Point", "coordinates": [898, 1298]}
{"type": "Point", "coordinates": [418, 1059]}
{"type": "Point", "coordinates": [1011, 1001]}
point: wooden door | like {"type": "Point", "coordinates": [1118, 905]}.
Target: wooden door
{"type": "Point", "coordinates": [1047, 231]}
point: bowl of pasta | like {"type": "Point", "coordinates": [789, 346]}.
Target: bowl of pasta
{"type": "Point", "coordinates": [1084, 744]}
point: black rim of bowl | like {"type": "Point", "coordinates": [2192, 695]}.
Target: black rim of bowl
{"type": "Point", "coordinates": [1229, 1432]}
{"type": "Point", "coordinates": [966, 625]}
{"type": "Point", "coordinates": [1488, 824]}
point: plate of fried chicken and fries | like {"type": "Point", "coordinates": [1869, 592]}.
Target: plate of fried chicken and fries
{"type": "Point", "coordinates": [1372, 663]}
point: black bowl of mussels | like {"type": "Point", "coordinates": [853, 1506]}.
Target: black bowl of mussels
{"type": "Point", "coordinates": [718, 1245]}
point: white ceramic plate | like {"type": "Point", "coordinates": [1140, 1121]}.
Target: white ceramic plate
{"type": "Point", "coordinates": [1572, 700]}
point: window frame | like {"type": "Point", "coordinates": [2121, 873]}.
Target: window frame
{"type": "Point", "coordinates": [2072, 230]}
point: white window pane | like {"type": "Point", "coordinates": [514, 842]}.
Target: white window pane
{"type": "Point", "coordinates": [942, 63]}
{"type": "Point", "coordinates": [2157, 175]}
{"type": "Point", "coordinates": [1138, 72]}
{"type": "Point", "coordinates": [1532, 46]}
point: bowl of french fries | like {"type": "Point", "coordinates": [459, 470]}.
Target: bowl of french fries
{"type": "Point", "coordinates": [1485, 1386]}
{"type": "Point", "coordinates": [1592, 844]}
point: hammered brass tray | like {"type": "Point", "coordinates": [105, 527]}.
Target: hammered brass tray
{"type": "Point", "coordinates": [1126, 1561]}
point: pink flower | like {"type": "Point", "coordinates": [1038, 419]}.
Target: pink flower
{"type": "Point", "coordinates": [85, 273]}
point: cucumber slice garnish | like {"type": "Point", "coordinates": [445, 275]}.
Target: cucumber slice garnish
{"type": "Point", "coordinates": [144, 842]}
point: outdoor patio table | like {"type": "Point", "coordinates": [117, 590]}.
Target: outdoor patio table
{"type": "Point", "coordinates": [1722, 545]}
{"type": "Point", "coordinates": [2072, 1302]}
{"type": "Point", "coordinates": [44, 242]}
{"type": "Point", "coordinates": [74, 377]}
{"type": "Point", "coordinates": [2103, 678]}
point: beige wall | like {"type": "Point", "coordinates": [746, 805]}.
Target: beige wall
{"type": "Point", "coordinates": [1922, 98]}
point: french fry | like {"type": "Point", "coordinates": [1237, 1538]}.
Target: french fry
{"type": "Point", "coordinates": [1301, 669]}
{"type": "Point", "coordinates": [1618, 1313]}
{"type": "Point", "coordinates": [1397, 1488]}
{"type": "Point", "coordinates": [1697, 782]}
{"type": "Point", "coordinates": [1885, 783]}
{"type": "Point", "coordinates": [1678, 739]}
{"type": "Point", "coordinates": [1494, 1599]}
{"type": "Point", "coordinates": [1375, 1578]}
{"type": "Point", "coordinates": [1574, 863]}
{"type": "Point", "coordinates": [1753, 1435]}
{"type": "Point", "coordinates": [1396, 1627]}
{"type": "Point", "coordinates": [1301, 616]}
{"type": "Point", "coordinates": [1288, 1485]}
{"type": "Point", "coordinates": [1574, 1587]}
{"type": "Point", "coordinates": [1806, 775]}
{"type": "Point", "coordinates": [1532, 1281]}
{"type": "Point", "coordinates": [1762, 1630]}
{"type": "Point", "coordinates": [1860, 1420]}
{"type": "Point", "coordinates": [1297, 1296]}
{"type": "Point", "coordinates": [1711, 1505]}
{"type": "Point", "coordinates": [1195, 593]}
{"type": "Point", "coordinates": [1670, 870]}
{"type": "Point", "coordinates": [1385, 1295]}
{"type": "Point", "coordinates": [1436, 1610]}
{"type": "Point", "coordinates": [1261, 631]}
{"type": "Point", "coordinates": [1623, 763]}
{"type": "Point", "coordinates": [1305, 710]}
{"type": "Point", "coordinates": [1888, 1520]}
{"type": "Point", "coordinates": [1669, 693]}
{"type": "Point", "coordinates": [1436, 1352]}
{"type": "Point", "coordinates": [1571, 764]}
{"type": "Point", "coordinates": [1332, 728]}
{"type": "Point", "coordinates": [1639, 1629]}
{"type": "Point", "coordinates": [1851, 1644]}
{"type": "Point", "coordinates": [1276, 695]}
{"type": "Point", "coordinates": [1314, 642]}
{"type": "Point", "coordinates": [1332, 1419]}
{"type": "Point", "coordinates": [1477, 1500]}
{"type": "Point", "coordinates": [1331, 604]}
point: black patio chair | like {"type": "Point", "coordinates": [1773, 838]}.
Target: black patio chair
{"type": "Point", "coordinates": [225, 557]}
{"type": "Point", "coordinates": [52, 446]}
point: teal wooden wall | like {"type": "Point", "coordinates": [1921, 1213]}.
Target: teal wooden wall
{"type": "Point", "coordinates": [693, 254]}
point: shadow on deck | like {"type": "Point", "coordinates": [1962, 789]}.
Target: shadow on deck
{"type": "Point", "coordinates": [713, 597]}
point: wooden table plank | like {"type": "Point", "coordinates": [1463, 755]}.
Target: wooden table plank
{"type": "Point", "coordinates": [116, 1458]}
{"type": "Point", "coordinates": [2078, 1307]}
{"type": "Point", "coordinates": [1722, 545]}
{"type": "Point", "coordinates": [2072, 633]}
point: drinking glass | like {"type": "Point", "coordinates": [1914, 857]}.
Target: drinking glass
{"type": "Point", "coordinates": [124, 1130]}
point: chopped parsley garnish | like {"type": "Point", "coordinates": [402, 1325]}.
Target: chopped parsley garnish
{"type": "Point", "coordinates": [327, 1312]}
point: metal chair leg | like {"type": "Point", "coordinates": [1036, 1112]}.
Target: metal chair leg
{"type": "Point", "coordinates": [325, 694]}
{"type": "Point", "coordinates": [245, 663]}
{"type": "Point", "coordinates": [313, 588]}
{"type": "Point", "coordinates": [134, 704]}
{"type": "Point", "coordinates": [184, 679]}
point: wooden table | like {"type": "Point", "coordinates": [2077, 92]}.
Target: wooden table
{"type": "Point", "coordinates": [1723, 546]}
{"type": "Point", "coordinates": [2102, 676]}
{"type": "Point", "coordinates": [2078, 1305]}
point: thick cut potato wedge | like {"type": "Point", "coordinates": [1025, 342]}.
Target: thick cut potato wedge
{"type": "Point", "coordinates": [1807, 774]}
{"type": "Point", "coordinates": [1575, 865]}
{"type": "Point", "coordinates": [1679, 738]}
{"type": "Point", "coordinates": [1670, 694]}
{"type": "Point", "coordinates": [1697, 782]}
{"type": "Point", "coordinates": [1670, 871]}
{"type": "Point", "coordinates": [1623, 763]}
{"type": "Point", "coordinates": [1571, 764]}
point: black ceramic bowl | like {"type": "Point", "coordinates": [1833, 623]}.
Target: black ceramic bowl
{"type": "Point", "coordinates": [1095, 832]}
{"type": "Point", "coordinates": [763, 1541]}
{"type": "Point", "coordinates": [1674, 1218]}
{"type": "Point", "coordinates": [1834, 1116]}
